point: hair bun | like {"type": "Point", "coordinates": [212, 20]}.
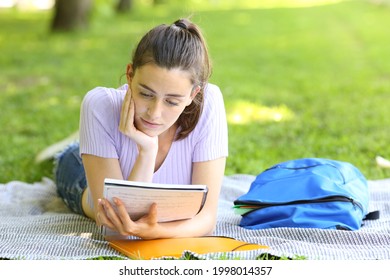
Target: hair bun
{"type": "Point", "coordinates": [181, 24]}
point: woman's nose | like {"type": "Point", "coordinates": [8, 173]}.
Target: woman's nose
{"type": "Point", "coordinates": [155, 109]}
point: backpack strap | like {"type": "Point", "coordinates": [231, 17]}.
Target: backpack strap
{"type": "Point", "coordinates": [374, 215]}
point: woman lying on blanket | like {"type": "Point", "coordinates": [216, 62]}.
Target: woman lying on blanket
{"type": "Point", "coordinates": [165, 125]}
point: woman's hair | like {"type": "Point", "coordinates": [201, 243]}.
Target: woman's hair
{"type": "Point", "coordinates": [180, 45]}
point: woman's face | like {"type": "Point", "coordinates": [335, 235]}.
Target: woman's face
{"type": "Point", "coordinates": [160, 96]}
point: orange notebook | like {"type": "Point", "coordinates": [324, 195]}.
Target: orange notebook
{"type": "Point", "coordinates": [174, 247]}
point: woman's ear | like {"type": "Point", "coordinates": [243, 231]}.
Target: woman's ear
{"type": "Point", "coordinates": [194, 92]}
{"type": "Point", "coordinates": [129, 73]}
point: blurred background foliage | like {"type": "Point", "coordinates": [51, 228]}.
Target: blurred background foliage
{"type": "Point", "coordinates": [300, 78]}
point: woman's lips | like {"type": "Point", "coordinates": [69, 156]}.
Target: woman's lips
{"type": "Point", "coordinates": [150, 125]}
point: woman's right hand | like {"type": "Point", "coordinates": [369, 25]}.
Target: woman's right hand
{"type": "Point", "coordinates": [115, 217]}
{"type": "Point", "coordinates": [127, 126]}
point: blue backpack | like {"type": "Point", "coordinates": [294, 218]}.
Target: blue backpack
{"type": "Point", "coordinates": [306, 193]}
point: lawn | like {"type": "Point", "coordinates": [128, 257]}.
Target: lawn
{"type": "Point", "coordinates": [298, 81]}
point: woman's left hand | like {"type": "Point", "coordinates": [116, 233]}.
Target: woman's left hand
{"type": "Point", "coordinates": [127, 126]}
{"type": "Point", "coordinates": [120, 221]}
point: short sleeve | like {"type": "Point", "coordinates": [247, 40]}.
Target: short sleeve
{"type": "Point", "coordinates": [99, 119]}
{"type": "Point", "coordinates": [211, 132]}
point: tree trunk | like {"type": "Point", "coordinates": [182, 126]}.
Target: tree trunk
{"type": "Point", "coordinates": [158, 2]}
{"type": "Point", "coordinates": [124, 6]}
{"type": "Point", "coordinates": [71, 14]}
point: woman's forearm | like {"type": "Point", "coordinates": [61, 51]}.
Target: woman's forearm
{"type": "Point", "coordinates": [200, 225]}
{"type": "Point", "coordinates": [144, 165]}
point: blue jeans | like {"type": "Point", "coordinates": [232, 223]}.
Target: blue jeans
{"type": "Point", "coordinates": [69, 176]}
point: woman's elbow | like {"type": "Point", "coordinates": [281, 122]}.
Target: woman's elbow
{"type": "Point", "coordinates": [209, 225]}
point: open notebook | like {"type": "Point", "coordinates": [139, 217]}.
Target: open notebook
{"type": "Point", "coordinates": [174, 202]}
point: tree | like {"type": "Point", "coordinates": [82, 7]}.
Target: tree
{"type": "Point", "coordinates": [124, 6]}
{"type": "Point", "coordinates": [71, 15]}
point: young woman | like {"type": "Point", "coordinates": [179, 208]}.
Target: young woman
{"type": "Point", "coordinates": [166, 125]}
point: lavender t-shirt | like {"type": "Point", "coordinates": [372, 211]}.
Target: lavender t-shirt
{"type": "Point", "coordinates": [100, 135]}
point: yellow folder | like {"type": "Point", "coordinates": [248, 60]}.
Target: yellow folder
{"type": "Point", "coordinates": [174, 247]}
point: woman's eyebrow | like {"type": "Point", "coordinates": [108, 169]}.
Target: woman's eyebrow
{"type": "Point", "coordinates": [169, 94]}
{"type": "Point", "coordinates": [147, 88]}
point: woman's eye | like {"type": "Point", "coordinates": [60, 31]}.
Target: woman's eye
{"type": "Point", "coordinates": [145, 95]}
{"type": "Point", "coordinates": [172, 103]}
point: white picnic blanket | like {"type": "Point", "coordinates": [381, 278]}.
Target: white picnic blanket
{"type": "Point", "coordinates": [35, 224]}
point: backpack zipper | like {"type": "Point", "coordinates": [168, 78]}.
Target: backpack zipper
{"type": "Point", "coordinates": [333, 198]}
{"type": "Point", "coordinates": [281, 166]}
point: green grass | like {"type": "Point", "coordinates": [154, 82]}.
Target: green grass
{"type": "Point", "coordinates": [317, 80]}
{"type": "Point", "coordinates": [191, 256]}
